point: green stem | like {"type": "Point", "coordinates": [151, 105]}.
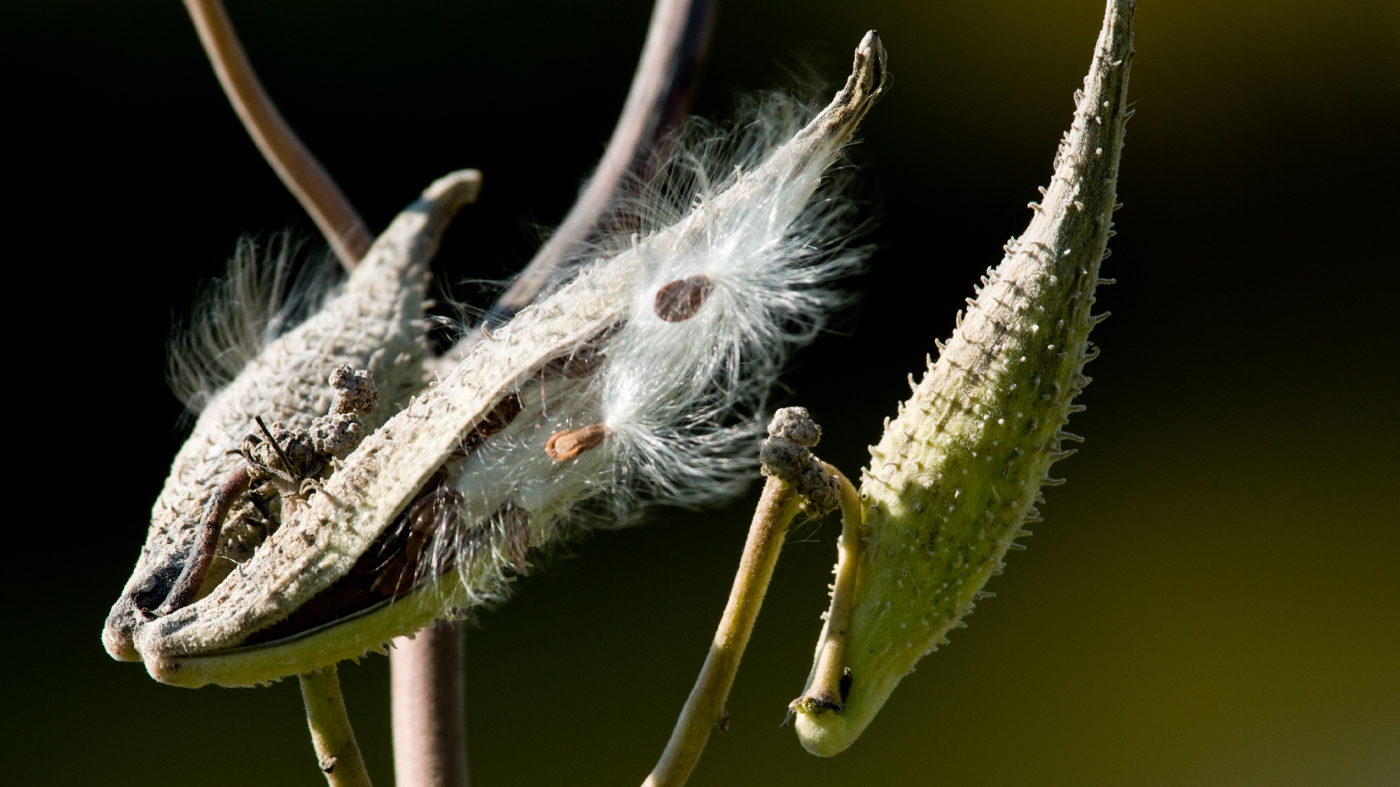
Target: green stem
{"type": "Point", "coordinates": [705, 707]}
{"type": "Point", "coordinates": [336, 750]}
{"type": "Point", "coordinates": [824, 686]}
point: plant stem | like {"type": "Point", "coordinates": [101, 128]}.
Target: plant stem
{"type": "Point", "coordinates": [302, 174]}
{"type": "Point", "coordinates": [336, 750]}
{"type": "Point", "coordinates": [824, 685]}
{"type": "Point", "coordinates": [705, 706]}
{"type": "Point", "coordinates": [428, 708]}
{"type": "Point", "coordinates": [677, 39]}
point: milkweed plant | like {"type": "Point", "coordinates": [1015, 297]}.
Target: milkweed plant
{"type": "Point", "coordinates": [344, 485]}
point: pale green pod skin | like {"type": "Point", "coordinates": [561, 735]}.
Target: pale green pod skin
{"type": "Point", "coordinates": [959, 471]}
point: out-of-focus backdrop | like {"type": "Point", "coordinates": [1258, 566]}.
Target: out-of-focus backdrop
{"type": "Point", "coordinates": [1213, 598]}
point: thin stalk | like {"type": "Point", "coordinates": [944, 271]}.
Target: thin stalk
{"type": "Point", "coordinates": [302, 174]}
{"type": "Point", "coordinates": [336, 750]}
{"type": "Point", "coordinates": [429, 709]}
{"type": "Point", "coordinates": [705, 706]}
{"type": "Point", "coordinates": [828, 683]}
{"type": "Point", "coordinates": [676, 41]}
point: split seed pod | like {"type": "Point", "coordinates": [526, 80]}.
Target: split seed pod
{"type": "Point", "coordinates": [959, 471]}
{"type": "Point", "coordinates": [373, 323]}
{"type": "Point", "coordinates": [638, 376]}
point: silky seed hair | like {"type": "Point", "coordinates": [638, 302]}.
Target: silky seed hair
{"type": "Point", "coordinates": [666, 405]}
{"type": "Point", "coordinates": [690, 373]}
{"type": "Point", "coordinates": [268, 288]}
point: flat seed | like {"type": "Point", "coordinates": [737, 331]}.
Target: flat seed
{"type": "Point", "coordinates": [681, 299]}
{"type": "Point", "coordinates": [435, 508]}
{"type": "Point", "coordinates": [563, 446]}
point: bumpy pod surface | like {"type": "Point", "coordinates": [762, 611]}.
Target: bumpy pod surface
{"type": "Point", "coordinates": [374, 322]}
{"type": "Point", "coordinates": [959, 471]}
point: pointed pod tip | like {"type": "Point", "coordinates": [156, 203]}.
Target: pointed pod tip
{"type": "Point", "coordinates": [870, 60]}
{"type": "Point", "coordinates": [870, 45]}
{"type": "Point", "coordinates": [1118, 29]}
{"type": "Point", "coordinates": [456, 188]}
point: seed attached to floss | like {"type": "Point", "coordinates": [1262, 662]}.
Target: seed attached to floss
{"type": "Point", "coordinates": [681, 299]}
{"type": "Point", "coordinates": [435, 506]}
{"type": "Point", "coordinates": [574, 366]}
{"type": "Point", "coordinates": [563, 446]}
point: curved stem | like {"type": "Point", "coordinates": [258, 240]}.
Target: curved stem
{"type": "Point", "coordinates": [676, 41]}
{"type": "Point", "coordinates": [303, 175]}
{"type": "Point", "coordinates": [704, 709]}
{"type": "Point", "coordinates": [336, 750]}
{"type": "Point", "coordinates": [827, 685]}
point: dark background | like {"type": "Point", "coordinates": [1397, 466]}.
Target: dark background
{"type": "Point", "coordinates": [1213, 599]}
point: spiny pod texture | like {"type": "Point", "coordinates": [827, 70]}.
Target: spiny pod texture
{"type": "Point", "coordinates": [959, 470]}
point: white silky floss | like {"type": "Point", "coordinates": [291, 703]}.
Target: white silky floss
{"type": "Point", "coordinates": [711, 306]}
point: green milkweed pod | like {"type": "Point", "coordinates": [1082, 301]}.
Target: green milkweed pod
{"type": "Point", "coordinates": [959, 471]}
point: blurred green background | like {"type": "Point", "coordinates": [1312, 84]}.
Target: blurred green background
{"type": "Point", "coordinates": [1212, 599]}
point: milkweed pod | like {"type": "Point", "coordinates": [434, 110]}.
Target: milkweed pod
{"type": "Point", "coordinates": [620, 384]}
{"type": "Point", "coordinates": [374, 322]}
{"type": "Point", "coordinates": [959, 470]}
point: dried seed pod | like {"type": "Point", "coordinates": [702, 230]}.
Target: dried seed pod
{"type": "Point", "coordinates": [673, 399]}
{"type": "Point", "coordinates": [374, 322]}
{"type": "Point", "coordinates": [960, 469]}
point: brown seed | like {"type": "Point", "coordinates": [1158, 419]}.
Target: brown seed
{"type": "Point", "coordinates": [435, 508]}
{"type": "Point", "coordinates": [563, 446]}
{"type": "Point", "coordinates": [681, 299]}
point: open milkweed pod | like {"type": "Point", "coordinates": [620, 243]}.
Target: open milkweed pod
{"type": "Point", "coordinates": [637, 377]}
{"type": "Point", "coordinates": [959, 471]}
{"type": "Point", "coordinates": [375, 322]}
